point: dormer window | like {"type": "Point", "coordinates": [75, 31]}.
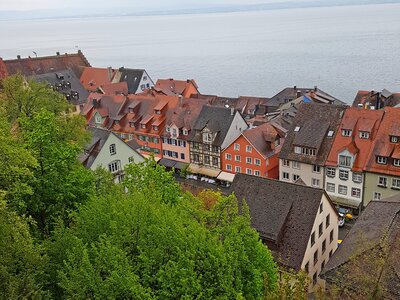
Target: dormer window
{"type": "Point", "coordinates": [98, 119]}
{"type": "Point", "coordinates": [168, 129]}
{"type": "Point", "coordinates": [131, 124]}
{"type": "Point", "coordinates": [345, 161]}
{"type": "Point", "coordinates": [297, 150]}
{"type": "Point", "coordinates": [185, 132]}
{"type": "Point", "coordinates": [346, 132]}
{"type": "Point", "coordinates": [143, 126]}
{"type": "Point", "coordinates": [155, 128]}
{"type": "Point", "coordinates": [207, 137]}
{"type": "Point", "coordinates": [330, 133]}
{"type": "Point", "coordinates": [396, 162]}
{"type": "Point", "coordinates": [157, 112]}
{"type": "Point", "coordinates": [130, 109]}
{"type": "Point", "coordinates": [297, 129]}
{"type": "Point", "coordinates": [364, 135]}
{"type": "Point", "coordinates": [382, 160]}
{"type": "Point", "coordinates": [394, 139]}
{"type": "Point", "coordinates": [174, 133]}
{"type": "Point", "coordinates": [277, 142]}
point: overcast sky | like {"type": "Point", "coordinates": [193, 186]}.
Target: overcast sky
{"type": "Point", "coordinates": [22, 5]}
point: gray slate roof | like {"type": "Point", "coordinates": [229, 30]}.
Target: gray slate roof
{"type": "Point", "coordinates": [379, 222]}
{"type": "Point", "coordinates": [132, 77]}
{"type": "Point", "coordinates": [283, 214]}
{"type": "Point", "coordinates": [315, 121]}
{"type": "Point", "coordinates": [67, 84]}
{"type": "Point", "coordinates": [217, 119]}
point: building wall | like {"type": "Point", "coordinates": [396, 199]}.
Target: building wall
{"type": "Point", "coordinates": [371, 186]}
{"type": "Point", "coordinates": [266, 168]}
{"type": "Point", "coordinates": [190, 90]}
{"type": "Point", "coordinates": [203, 150]}
{"type": "Point", "coordinates": [148, 146]}
{"type": "Point", "coordinates": [331, 246]}
{"type": "Point", "coordinates": [144, 82]}
{"type": "Point", "coordinates": [238, 125]}
{"type": "Point", "coordinates": [349, 183]}
{"type": "Point", "coordinates": [179, 149]}
{"type": "Point", "coordinates": [123, 153]}
{"type": "Point", "coordinates": [305, 171]}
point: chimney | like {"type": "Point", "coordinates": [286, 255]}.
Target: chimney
{"type": "Point", "coordinates": [110, 72]}
{"type": "Point", "coordinates": [180, 100]}
{"type": "Point", "coordinates": [315, 88]}
{"type": "Point", "coordinates": [18, 56]}
{"type": "Point", "coordinates": [295, 88]}
{"type": "Point", "coordinates": [298, 94]}
{"type": "Point", "coordinates": [232, 111]}
{"type": "Point", "coordinates": [58, 53]}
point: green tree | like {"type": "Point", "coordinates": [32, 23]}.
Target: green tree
{"type": "Point", "coordinates": [60, 179]}
{"type": "Point", "coordinates": [21, 265]}
{"type": "Point", "coordinates": [180, 251]}
{"type": "Point", "coordinates": [21, 97]}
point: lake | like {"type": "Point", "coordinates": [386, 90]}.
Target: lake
{"type": "Point", "coordinates": [339, 49]}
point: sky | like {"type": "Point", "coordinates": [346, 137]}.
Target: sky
{"type": "Point", "coordinates": [27, 5]}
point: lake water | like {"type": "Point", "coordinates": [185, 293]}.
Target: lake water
{"type": "Point", "coordinates": [339, 49]}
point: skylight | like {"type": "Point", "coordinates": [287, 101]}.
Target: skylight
{"type": "Point", "coordinates": [330, 133]}
{"type": "Point", "coordinates": [297, 129]}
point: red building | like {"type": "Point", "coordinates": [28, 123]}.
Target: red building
{"type": "Point", "coordinates": [255, 152]}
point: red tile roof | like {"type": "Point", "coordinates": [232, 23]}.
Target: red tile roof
{"type": "Point", "coordinates": [383, 146]}
{"type": "Point", "coordinates": [356, 120]}
{"type": "Point", "coordinates": [115, 88]}
{"type": "Point", "coordinates": [46, 64]}
{"type": "Point", "coordinates": [384, 98]}
{"type": "Point", "coordinates": [93, 78]}
{"type": "Point", "coordinates": [171, 87]}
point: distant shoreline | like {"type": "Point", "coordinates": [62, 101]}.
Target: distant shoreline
{"type": "Point", "coordinates": [48, 15]}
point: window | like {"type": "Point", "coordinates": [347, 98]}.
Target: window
{"type": "Point", "coordinates": [307, 267]}
{"type": "Point", "coordinates": [342, 189]}
{"type": "Point", "coordinates": [196, 158]}
{"type": "Point", "coordinates": [155, 128]}
{"type": "Point", "coordinates": [330, 172]}
{"type": "Point", "coordinates": [330, 253]}
{"type": "Point", "coordinates": [297, 129]}
{"type": "Point", "coordinates": [185, 132]}
{"type": "Point", "coordinates": [382, 181]}
{"type": "Point", "coordinates": [248, 171]}
{"type": "Point", "coordinates": [285, 175]}
{"type": "Point", "coordinates": [155, 140]}
{"type": "Point", "coordinates": [207, 159]}
{"type": "Point", "coordinates": [376, 196]}
{"type": "Point", "coordinates": [330, 187]}
{"type": "Point", "coordinates": [297, 149]}
{"type": "Point", "coordinates": [237, 157]}
{"type": "Point", "coordinates": [345, 161]}
{"type": "Point", "coordinates": [174, 132]}
{"type": "Point", "coordinates": [356, 192]}
{"type": "Point", "coordinates": [257, 162]}
{"type": "Point", "coordinates": [330, 133]}
{"type": "Point", "coordinates": [396, 162]}
{"type": "Point", "coordinates": [158, 112]}
{"type": "Point", "coordinates": [182, 155]}
{"type": "Point", "coordinates": [331, 236]}
{"type": "Point", "coordinates": [323, 246]}
{"type": "Point", "coordinates": [315, 257]}
{"type": "Point", "coordinates": [113, 149]}
{"type": "Point", "coordinates": [143, 126]}
{"type": "Point", "coordinates": [168, 129]}
{"type": "Point", "coordinates": [98, 119]}
{"type": "Point", "coordinates": [130, 137]}
{"type": "Point", "coordinates": [320, 229]}
{"type": "Point", "coordinates": [207, 137]}
{"type": "Point", "coordinates": [236, 147]}
{"type": "Point", "coordinates": [286, 163]}
{"type": "Point", "coordinates": [364, 135]}
{"type": "Point", "coordinates": [215, 161]}
{"type": "Point", "coordinates": [312, 239]}
{"type": "Point", "coordinates": [394, 139]}
{"type": "Point", "coordinates": [327, 221]}
{"type": "Point", "coordinates": [346, 132]}
{"type": "Point", "coordinates": [256, 173]}
{"type": "Point", "coordinates": [228, 156]}
{"type": "Point", "coordinates": [357, 177]}
{"type": "Point", "coordinates": [343, 175]}
{"type": "Point", "coordinates": [248, 160]}
{"type": "Point", "coordinates": [381, 160]}
{"type": "Point", "coordinates": [316, 169]}
{"type": "Point", "coordinates": [113, 166]}
{"type": "Point", "coordinates": [120, 178]}
{"type": "Point", "coordinates": [248, 148]}
{"type": "Point", "coordinates": [396, 184]}
{"type": "Point", "coordinates": [321, 207]}
{"type": "Point", "coordinates": [315, 182]}
{"type": "Point", "coordinates": [229, 167]}
{"type": "Point", "coordinates": [308, 151]}
{"type": "Point", "coordinates": [296, 177]}
{"type": "Point", "coordinates": [296, 165]}
{"type": "Point", "coordinates": [238, 169]}
{"type": "Point", "coordinates": [144, 77]}
{"type": "Point", "coordinates": [314, 278]}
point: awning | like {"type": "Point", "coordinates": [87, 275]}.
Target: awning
{"type": "Point", "coordinates": [167, 162]}
{"type": "Point", "coordinates": [196, 169]}
{"type": "Point", "coordinates": [345, 202]}
{"type": "Point", "coordinates": [225, 176]}
{"type": "Point", "coordinates": [180, 165]}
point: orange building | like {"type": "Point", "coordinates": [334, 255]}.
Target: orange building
{"type": "Point", "coordinates": [255, 152]}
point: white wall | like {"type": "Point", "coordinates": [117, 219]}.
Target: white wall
{"type": "Point", "coordinates": [237, 127]}
{"type": "Point", "coordinates": [305, 172]}
{"type": "Point", "coordinates": [145, 82]}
